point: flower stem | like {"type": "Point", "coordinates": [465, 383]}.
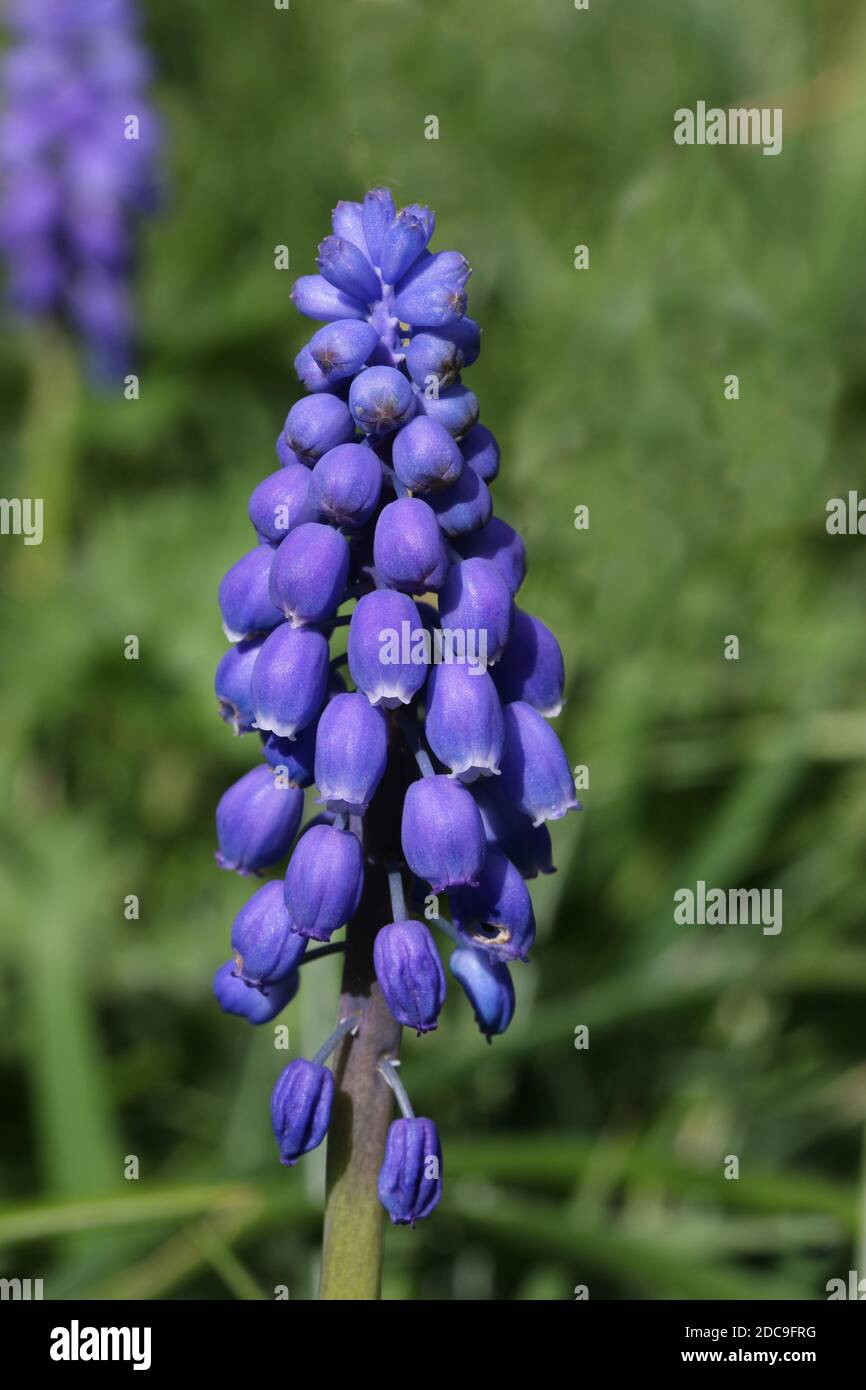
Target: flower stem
{"type": "Point", "coordinates": [361, 1113]}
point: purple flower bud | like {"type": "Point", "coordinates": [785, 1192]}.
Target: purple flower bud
{"type": "Point", "coordinates": [309, 573]}
{"type": "Point", "coordinates": [281, 502]}
{"type": "Point", "coordinates": [340, 349]}
{"type": "Point", "coordinates": [456, 409]}
{"type": "Point", "coordinates": [488, 986]}
{"type": "Point", "coordinates": [316, 424]}
{"type": "Point", "coordinates": [347, 220]}
{"type": "Point", "coordinates": [377, 214]}
{"type": "Point", "coordinates": [316, 299]}
{"type": "Point", "coordinates": [324, 881]}
{"type": "Point", "coordinates": [464, 506]}
{"type": "Point", "coordinates": [429, 358]}
{"type": "Point", "coordinates": [381, 400]}
{"type": "Point", "coordinates": [347, 268]}
{"type": "Point", "coordinates": [535, 771]}
{"type": "Point", "coordinates": [532, 668]}
{"type": "Point", "coordinates": [442, 833]}
{"type": "Point", "coordinates": [292, 759]}
{"type": "Point", "coordinates": [384, 635]}
{"type": "Point", "coordinates": [464, 724]}
{"type": "Point", "coordinates": [464, 334]}
{"type": "Point", "coordinates": [433, 294]}
{"type": "Point", "coordinates": [481, 452]}
{"type": "Point", "coordinates": [289, 680]}
{"type": "Point", "coordinates": [425, 456]}
{"type": "Point", "coordinates": [244, 596]}
{"type": "Point", "coordinates": [346, 483]}
{"type": "Point", "coordinates": [500, 544]}
{"type": "Point", "coordinates": [403, 243]}
{"type": "Point", "coordinates": [475, 599]}
{"type": "Point", "coordinates": [264, 947]}
{"type": "Point", "coordinates": [351, 753]}
{"type": "Point", "coordinates": [301, 1108]}
{"type": "Point", "coordinates": [497, 915]}
{"type": "Point", "coordinates": [526, 845]}
{"type": "Point", "coordinates": [232, 685]}
{"type": "Point", "coordinates": [255, 1005]}
{"type": "Point", "coordinates": [256, 821]}
{"type": "Point", "coordinates": [410, 974]}
{"type": "Point", "coordinates": [310, 374]}
{"type": "Point", "coordinates": [410, 1179]}
{"type": "Point", "coordinates": [408, 549]}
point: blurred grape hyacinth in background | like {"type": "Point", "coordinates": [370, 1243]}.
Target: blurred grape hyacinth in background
{"type": "Point", "coordinates": [78, 147]}
{"type": "Point", "coordinates": [437, 778]}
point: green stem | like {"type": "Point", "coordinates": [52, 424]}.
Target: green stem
{"type": "Point", "coordinates": [361, 1113]}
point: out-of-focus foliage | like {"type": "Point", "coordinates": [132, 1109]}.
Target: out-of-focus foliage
{"type": "Point", "coordinates": [605, 387]}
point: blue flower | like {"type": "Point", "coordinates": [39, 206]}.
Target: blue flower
{"type": "Point", "coordinates": [410, 974]}
{"type": "Point", "coordinates": [301, 1108]}
{"type": "Point", "coordinates": [410, 1179]}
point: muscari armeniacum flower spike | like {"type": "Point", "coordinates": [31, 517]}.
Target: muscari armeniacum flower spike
{"type": "Point", "coordinates": [382, 500]}
{"type": "Point", "coordinates": [75, 173]}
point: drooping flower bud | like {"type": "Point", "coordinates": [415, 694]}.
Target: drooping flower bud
{"type": "Point", "coordinates": [496, 915]}
{"type": "Point", "coordinates": [464, 506]}
{"type": "Point", "coordinates": [351, 753]}
{"type": "Point", "coordinates": [316, 424]}
{"type": "Point", "coordinates": [535, 771]}
{"type": "Point", "coordinates": [381, 400]}
{"type": "Point", "coordinates": [408, 549]}
{"type": "Point", "coordinates": [475, 599]}
{"type": "Point", "coordinates": [264, 946]}
{"type": "Point", "coordinates": [488, 986]}
{"type": "Point", "coordinates": [501, 545]}
{"type": "Point", "coordinates": [346, 267]}
{"type": "Point", "coordinates": [281, 502]}
{"type": "Point", "coordinates": [531, 668]}
{"type": "Point", "coordinates": [311, 376]}
{"type": "Point", "coordinates": [455, 408]}
{"type": "Point", "coordinates": [425, 456]}
{"type": "Point", "coordinates": [433, 293]}
{"type": "Point", "coordinates": [481, 452]}
{"type": "Point", "coordinates": [464, 724]}
{"type": "Point", "coordinates": [346, 483]}
{"type": "Point", "coordinates": [301, 1108]}
{"type": "Point", "coordinates": [289, 680]}
{"type": "Point", "coordinates": [410, 974]}
{"type": "Point", "coordinates": [340, 349]}
{"type": "Point", "coordinates": [232, 685]}
{"type": "Point", "coordinates": [526, 845]}
{"type": "Point", "coordinates": [442, 833]}
{"type": "Point", "coordinates": [256, 821]}
{"type": "Point", "coordinates": [384, 632]}
{"type": "Point", "coordinates": [293, 759]}
{"type": "Point", "coordinates": [410, 1179]}
{"type": "Point", "coordinates": [309, 573]}
{"type": "Point", "coordinates": [431, 359]}
{"type": "Point", "coordinates": [255, 1005]}
{"type": "Point", "coordinates": [244, 596]}
{"type": "Point", "coordinates": [315, 298]}
{"type": "Point", "coordinates": [324, 881]}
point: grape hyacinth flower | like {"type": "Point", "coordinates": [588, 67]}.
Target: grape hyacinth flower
{"type": "Point", "coordinates": [428, 768]}
{"type": "Point", "coordinates": [78, 148]}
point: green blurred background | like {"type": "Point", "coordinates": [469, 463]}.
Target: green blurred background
{"type": "Point", "coordinates": [605, 387]}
